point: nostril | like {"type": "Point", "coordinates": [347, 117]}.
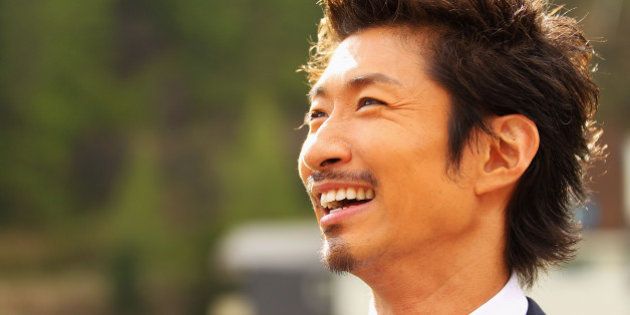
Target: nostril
{"type": "Point", "coordinates": [329, 161]}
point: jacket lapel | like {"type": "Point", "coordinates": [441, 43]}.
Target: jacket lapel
{"type": "Point", "coordinates": [533, 308]}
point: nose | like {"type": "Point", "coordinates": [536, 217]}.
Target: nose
{"type": "Point", "coordinates": [326, 148]}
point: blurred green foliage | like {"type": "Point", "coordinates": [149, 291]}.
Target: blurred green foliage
{"type": "Point", "coordinates": [134, 133]}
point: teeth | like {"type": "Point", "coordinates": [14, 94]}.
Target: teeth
{"type": "Point", "coordinates": [330, 196]}
{"type": "Point", "coordinates": [341, 195]}
{"type": "Point", "coordinates": [369, 194]}
{"type": "Point", "coordinates": [361, 194]}
{"type": "Point", "coordinates": [329, 199]}
{"type": "Point", "coordinates": [323, 201]}
{"type": "Point", "coordinates": [351, 194]}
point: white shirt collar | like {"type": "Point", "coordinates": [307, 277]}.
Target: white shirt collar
{"type": "Point", "coordinates": [509, 301]}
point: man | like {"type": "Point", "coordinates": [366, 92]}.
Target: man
{"type": "Point", "coordinates": [446, 148]}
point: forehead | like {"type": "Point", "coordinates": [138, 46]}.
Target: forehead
{"type": "Point", "coordinates": [394, 52]}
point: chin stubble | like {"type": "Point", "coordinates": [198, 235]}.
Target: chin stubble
{"type": "Point", "coordinates": [335, 254]}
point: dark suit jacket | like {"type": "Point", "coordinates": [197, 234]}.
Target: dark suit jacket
{"type": "Point", "coordinates": [533, 308]}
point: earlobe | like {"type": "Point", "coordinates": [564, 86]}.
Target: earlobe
{"type": "Point", "coordinates": [506, 154]}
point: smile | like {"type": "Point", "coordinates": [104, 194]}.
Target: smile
{"type": "Point", "coordinates": [336, 200]}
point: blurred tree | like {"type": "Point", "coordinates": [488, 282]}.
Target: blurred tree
{"type": "Point", "coordinates": [256, 183]}
{"type": "Point", "coordinates": [131, 130]}
{"type": "Point", "coordinates": [55, 91]}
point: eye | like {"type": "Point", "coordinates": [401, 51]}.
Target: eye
{"type": "Point", "coordinates": [367, 101]}
{"type": "Point", "coordinates": [313, 115]}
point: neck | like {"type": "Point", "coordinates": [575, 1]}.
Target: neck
{"type": "Point", "coordinates": [454, 277]}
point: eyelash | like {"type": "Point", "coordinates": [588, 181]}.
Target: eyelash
{"type": "Point", "coordinates": [316, 114]}
{"type": "Point", "coordinates": [312, 115]}
{"type": "Point", "coordinates": [363, 100]}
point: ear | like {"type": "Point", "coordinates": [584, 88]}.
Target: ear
{"type": "Point", "coordinates": [505, 155]}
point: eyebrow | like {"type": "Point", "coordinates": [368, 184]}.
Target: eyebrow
{"type": "Point", "coordinates": [356, 83]}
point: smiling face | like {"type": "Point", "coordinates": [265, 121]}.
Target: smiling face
{"type": "Point", "coordinates": [375, 158]}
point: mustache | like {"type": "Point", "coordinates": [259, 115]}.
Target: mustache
{"type": "Point", "coordinates": [361, 176]}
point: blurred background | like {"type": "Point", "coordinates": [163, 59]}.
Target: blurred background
{"type": "Point", "coordinates": [148, 163]}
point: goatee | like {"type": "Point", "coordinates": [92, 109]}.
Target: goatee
{"type": "Point", "coordinates": [335, 254]}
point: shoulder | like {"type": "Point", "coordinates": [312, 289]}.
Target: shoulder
{"type": "Point", "coordinates": [533, 308]}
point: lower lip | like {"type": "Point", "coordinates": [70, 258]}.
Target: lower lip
{"type": "Point", "coordinates": [339, 216]}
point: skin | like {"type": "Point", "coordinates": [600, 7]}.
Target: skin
{"type": "Point", "coordinates": [430, 241]}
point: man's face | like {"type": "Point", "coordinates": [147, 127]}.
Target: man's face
{"type": "Point", "coordinates": [378, 132]}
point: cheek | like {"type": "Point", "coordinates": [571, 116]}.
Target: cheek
{"type": "Point", "coordinates": [416, 189]}
{"type": "Point", "coordinates": [430, 203]}
{"type": "Point", "coordinates": [412, 163]}
{"type": "Point", "coordinates": [407, 168]}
